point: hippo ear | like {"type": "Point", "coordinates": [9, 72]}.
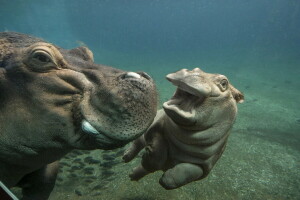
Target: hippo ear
{"type": "Point", "coordinates": [83, 52]}
{"type": "Point", "coordinates": [237, 95]}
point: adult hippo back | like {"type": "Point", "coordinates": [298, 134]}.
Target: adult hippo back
{"type": "Point", "coordinates": [54, 100]}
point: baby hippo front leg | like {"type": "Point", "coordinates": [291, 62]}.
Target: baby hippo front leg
{"type": "Point", "coordinates": [180, 175]}
{"type": "Point", "coordinates": [139, 171]}
{"type": "Point", "coordinates": [155, 155]}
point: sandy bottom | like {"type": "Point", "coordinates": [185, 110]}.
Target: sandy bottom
{"type": "Point", "coordinates": [261, 160]}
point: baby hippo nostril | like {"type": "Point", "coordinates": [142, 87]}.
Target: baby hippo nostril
{"type": "Point", "coordinates": [132, 75]}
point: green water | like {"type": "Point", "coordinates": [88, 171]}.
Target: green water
{"type": "Point", "coordinates": [254, 43]}
{"type": "Point", "coordinates": [261, 160]}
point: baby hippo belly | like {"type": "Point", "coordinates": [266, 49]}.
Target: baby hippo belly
{"type": "Point", "coordinates": [205, 155]}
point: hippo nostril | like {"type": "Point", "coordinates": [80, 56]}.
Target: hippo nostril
{"type": "Point", "coordinates": [145, 75]}
{"type": "Point", "coordinates": [132, 75]}
{"type": "Point", "coordinates": [135, 75]}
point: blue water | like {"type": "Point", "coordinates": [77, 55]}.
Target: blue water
{"type": "Point", "coordinates": [255, 43]}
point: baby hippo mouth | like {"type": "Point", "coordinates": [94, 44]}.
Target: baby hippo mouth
{"type": "Point", "coordinates": [182, 106]}
{"type": "Point", "coordinates": [190, 94]}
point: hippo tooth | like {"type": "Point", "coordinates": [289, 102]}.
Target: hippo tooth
{"type": "Point", "coordinates": [87, 127]}
{"type": "Point", "coordinates": [132, 75]}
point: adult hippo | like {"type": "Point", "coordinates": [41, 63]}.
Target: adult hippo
{"type": "Point", "coordinates": [54, 100]}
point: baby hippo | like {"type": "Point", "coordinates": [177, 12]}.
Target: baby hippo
{"type": "Point", "coordinates": [189, 134]}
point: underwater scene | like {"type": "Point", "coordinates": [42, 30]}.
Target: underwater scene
{"type": "Point", "coordinates": [207, 58]}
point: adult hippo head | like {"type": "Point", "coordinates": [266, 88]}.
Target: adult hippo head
{"type": "Point", "coordinates": [54, 100]}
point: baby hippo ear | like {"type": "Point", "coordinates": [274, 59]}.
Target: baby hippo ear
{"type": "Point", "coordinates": [237, 95]}
{"type": "Point", "coordinates": [83, 52]}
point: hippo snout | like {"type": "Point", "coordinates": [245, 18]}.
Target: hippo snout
{"type": "Point", "coordinates": [194, 81]}
{"type": "Point", "coordinates": [136, 75]}
{"type": "Point", "coordinates": [120, 107]}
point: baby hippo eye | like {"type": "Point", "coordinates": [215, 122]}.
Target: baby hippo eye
{"type": "Point", "coordinates": [224, 84]}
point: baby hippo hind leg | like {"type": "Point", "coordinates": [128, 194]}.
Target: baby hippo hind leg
{"type": "Point", "coordinates": [180, 175]}
{"type": "Point", "coordinates": [138, 173]}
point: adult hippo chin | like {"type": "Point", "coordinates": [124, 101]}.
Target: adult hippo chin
{"type": "Point", "coordinates": [54, 100]}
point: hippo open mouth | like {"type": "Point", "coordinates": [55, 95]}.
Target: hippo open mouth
{"type": "Point", "coordinates": [182, 106]}
{"type": "Point", "coordinates": [187, 98]}
{"type": "Point", "coordinates": [196, 90]}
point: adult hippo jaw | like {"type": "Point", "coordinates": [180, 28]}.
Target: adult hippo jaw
{"type": "Point", "coordinates": [60, 99]}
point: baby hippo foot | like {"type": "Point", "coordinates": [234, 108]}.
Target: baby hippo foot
{"type": "Point", "coordinates": [138, 173]}
{"type": "Point", "coordinates": [134, 149]}
{"type": "Point", "coordinates": [180, 175]}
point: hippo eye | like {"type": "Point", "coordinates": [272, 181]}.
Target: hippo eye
{"type": "Point", "coordinates": [42, 57]}
{"type": "Point", "coordinates": [224, 84]}
{"type": "Point", "coordinates": [41, 60]}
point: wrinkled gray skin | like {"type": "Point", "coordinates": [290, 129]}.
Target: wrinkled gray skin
{"type": "Point", "coordinates": [54, 100]}
{"type": "Point", "coordinates": [189, 135]}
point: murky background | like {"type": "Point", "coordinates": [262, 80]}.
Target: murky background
{"type": "Point", "coordinates": [256, 44]}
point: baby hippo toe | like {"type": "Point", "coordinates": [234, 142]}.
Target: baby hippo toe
{"type": "Point", "coordinates": [128, 156]}
{"type": "Point", "coordinates": [167, 181]}
{"type": "Point", "coordinates": [180, 175]}
{"type": "Point", "coordinates": [138, 173]}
